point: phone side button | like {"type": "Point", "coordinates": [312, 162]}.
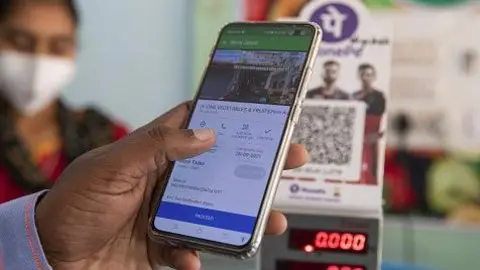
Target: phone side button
{"type": "Point", "coordinates": [308, 76]}
{"type": "Point", "coordinates": [296, 114]}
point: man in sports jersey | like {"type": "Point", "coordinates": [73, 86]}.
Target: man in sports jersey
{"type": "Point", "coordinates": [373, 97]}
{"type": "Point", "coordinates": [375, 101]}
{"type": "Point", "coordinates": [329, 90]}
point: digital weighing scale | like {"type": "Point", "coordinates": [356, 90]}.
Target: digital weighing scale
{"type": "Point", "coordinates": [324, 242]}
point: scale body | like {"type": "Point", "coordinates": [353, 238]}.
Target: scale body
{"type": "Point", "coordinates": [296, 248]}
{"type": "Point", "coordinates": [317, 241]}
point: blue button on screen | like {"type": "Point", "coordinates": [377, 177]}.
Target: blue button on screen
{"type": "Point", "coordinates": [207, 217]}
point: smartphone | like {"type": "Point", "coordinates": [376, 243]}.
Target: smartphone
{"type": "Point", "coordinates": [251, 94]}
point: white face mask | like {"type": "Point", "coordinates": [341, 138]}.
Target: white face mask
{"type": "Point", "coordinates": [30, 83]}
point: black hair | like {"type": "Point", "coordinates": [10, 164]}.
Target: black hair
{"type": "Point", "coordinates": [366, 66]}
{"type": "Point", "coordinates": [8, 6]}
{"type": "Point", "coordinates": [331, 62]}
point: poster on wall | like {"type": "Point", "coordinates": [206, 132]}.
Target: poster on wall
{"type": "Point", "coordinates": [419, 76]}
{"type": "Point", "coordinates": [463, 74]}
{"type": "Point", "coordinates": [344, 115]}
{"type": "Point", "coordinates": [432, 169]}
{"type": "Point", "coordinates": [434, 55]}
{"type": "Point", "coordinates": [258, 10]}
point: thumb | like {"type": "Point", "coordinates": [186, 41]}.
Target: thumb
{"type": "Point", "coordinates": [88, 202]}
{"type": "Point", "coordinates": [154, 145]}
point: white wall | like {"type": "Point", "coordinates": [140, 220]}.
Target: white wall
{"type": "Point", "coordinates": [209, 17]}
{"type": "Point", "coordinates": [134, 57]}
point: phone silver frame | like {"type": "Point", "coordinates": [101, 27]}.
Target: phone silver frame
{"type": "Point", "coordinates": [251, 248]}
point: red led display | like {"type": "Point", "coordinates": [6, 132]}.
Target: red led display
{"type": "Point", "coordinates": [331, 241]}
{"type": "Point", "coordinates": [292, 265]}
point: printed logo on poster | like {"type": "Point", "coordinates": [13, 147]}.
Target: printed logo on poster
{"type": "Point", "coordinates": [342, 122]}
{"type": "Point", "coordinates": [347, 27]}
{"type": "Point", "coordinates": [294, 188]}
{"type": "Point", "coordinates": [338, 21]}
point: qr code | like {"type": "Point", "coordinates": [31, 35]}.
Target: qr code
{"type": "Point", "coordinates": [333, 133]}
{"type": "Point", "coordinates": [328, 133]}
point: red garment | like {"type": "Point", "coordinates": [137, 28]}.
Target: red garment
{"type": "Point", "coordinates": [399, 192]}
{"type": "Point", "coordinates": [256, 10]}
{"type": "Point", "coordinates": [367, 176]}
{"type": "Point", "coordinates": [10, 190]}
{"type": "Point", "coordinates": [372, 124]}
{"type": "Point", "coordinates": [370, 150]}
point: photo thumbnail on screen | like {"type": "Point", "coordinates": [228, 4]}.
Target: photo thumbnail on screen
{"type": "Point", "coordinates": [268, 77]}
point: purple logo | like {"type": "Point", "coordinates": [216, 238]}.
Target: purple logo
{"type": "Point", "coordinates": [294, 188]}
{"type": "Point", "coordinates": [338, 21]}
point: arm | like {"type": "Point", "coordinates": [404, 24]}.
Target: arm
{"type": "Point", "coordinates": [20, 246]}
{"type": "Point", "coordinates": [377, 104]}
{"type": "Point", "coordinates": [383, 103]}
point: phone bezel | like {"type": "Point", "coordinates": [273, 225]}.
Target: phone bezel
{"type": "Point", "coordinates": [249, 248]}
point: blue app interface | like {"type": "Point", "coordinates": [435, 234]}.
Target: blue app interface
{"type": "Point", "coordinates": [246, 98]}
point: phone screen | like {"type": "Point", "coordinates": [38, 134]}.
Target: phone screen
{"type": "Point", "coordinates": [246, 96]}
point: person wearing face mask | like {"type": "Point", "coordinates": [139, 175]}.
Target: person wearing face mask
{"type": "Point", "coordinates": [39, 134]}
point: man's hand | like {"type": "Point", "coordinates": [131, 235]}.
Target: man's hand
{"type": "Point", "coordinates": [96, 216]}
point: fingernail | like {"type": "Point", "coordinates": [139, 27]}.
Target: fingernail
{"type": "Point", "coordinates": [204, 134]}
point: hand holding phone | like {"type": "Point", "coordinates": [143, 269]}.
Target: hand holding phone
{"type": "Point", "coordinates": [251, 95]}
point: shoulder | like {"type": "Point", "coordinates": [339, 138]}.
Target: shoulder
{"type": "Point", "coordinates": [315, 90]}
{"type": "Point", "coordinates": [378, 93]}
{"type": "Point", "coordinates": [342, 92]}
{"type": "Point", "coordinates": [93, 117]}
{"type": "Point", "coordinates": [357, 93]}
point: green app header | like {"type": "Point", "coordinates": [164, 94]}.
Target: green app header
{"type": "Point", "coordinates": [271, 38]}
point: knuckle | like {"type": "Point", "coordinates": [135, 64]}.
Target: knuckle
{"type": "Point", "coordinates": [164, 137]}
{"type": "Point", "coordinates": [173, 153]}
{"type": "Point", "coordinates": [189, 105]}
{"type": "Point", "coordinates": [159, 134]}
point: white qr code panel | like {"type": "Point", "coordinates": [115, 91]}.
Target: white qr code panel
{"type": "Point", "coordinates": [333, 132]}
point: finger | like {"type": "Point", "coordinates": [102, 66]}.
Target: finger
{"type": "Point", "coordinates": [179, 144]}
{"type": "Point", "coordinates": [179, 259]}
{"type": "Point", "coordinates": [184, 260]}
{"type": "Point", "coordinates": [151, 147]}
{"type": "Point", "coordinates": [297, 156]}
{"type": "Point", "coordinates": [176, 117]}
{"type": "Point", "coordinates": [277, 223]}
